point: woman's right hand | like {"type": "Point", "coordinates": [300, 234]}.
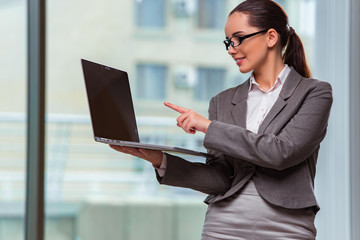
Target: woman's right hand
{"type": "Point", "coordinates": [189, 120]}
{"type": "Point", "coordinates": [153, 156]}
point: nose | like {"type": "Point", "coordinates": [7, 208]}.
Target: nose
{"type": "Point", "coordinates": [231, 50]}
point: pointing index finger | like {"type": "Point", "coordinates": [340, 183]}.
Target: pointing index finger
{"type": "Point", "coordinates": [175, 107]}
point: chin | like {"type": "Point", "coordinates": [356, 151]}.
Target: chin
{"type": "Point", "coordinates": [244, 69]}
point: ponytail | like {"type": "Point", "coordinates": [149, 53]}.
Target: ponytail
{"type": "Point", "coordinates": [294, 54]}
{"type": "Point", "coordinates": [266, 14]}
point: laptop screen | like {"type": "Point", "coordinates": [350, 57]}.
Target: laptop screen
{"type": "Point", "coordinates": [110, 102]}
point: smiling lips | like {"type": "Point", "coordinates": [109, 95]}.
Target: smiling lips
{"type": "Point", "coordinates": [239, 60]}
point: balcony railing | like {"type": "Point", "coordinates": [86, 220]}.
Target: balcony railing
{"type": "Point", "coordinates": [78, 168]}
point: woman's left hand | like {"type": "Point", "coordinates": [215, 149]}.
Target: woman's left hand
{"type": "Point", "coordinates": [189, 120]}
{"type": "Point", "coordinates": [152, 156]}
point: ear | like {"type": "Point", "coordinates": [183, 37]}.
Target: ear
{"type": "Point", "coordinates": [272, 37]}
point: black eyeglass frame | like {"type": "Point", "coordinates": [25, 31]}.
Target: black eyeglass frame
{"type": "Point", "coordinates": [229, 42]}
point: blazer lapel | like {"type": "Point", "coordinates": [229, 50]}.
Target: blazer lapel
{"type": "Point", "coordinates": [290, 85]}
{"type": "Point", "coordinates": [238, 111]}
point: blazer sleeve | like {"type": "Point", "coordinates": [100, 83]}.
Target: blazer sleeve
{"type": "Point", "coordinates": [213, 177]}
{"type": "Point", "coordinates": [296, 141]}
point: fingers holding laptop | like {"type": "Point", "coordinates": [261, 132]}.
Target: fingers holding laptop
{"type": "Point", "coordinates": [189, 120]}
{"type": "Point", "coordinates": [152, 156]}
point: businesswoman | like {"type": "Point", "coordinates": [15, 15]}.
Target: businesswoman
{"type": "Point", "coordinates": [264, 135]}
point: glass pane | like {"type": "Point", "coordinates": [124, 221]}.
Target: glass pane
{"type": "Point", "coordinates": [210, 82]}
{"type": "Point", "coordinates": [212, 14]}
{"type": "Point", "coordinates": [93, 192]}
{"type": "Point", "coordinates": [150, 13]}
{"type": "Point", "coordinates": [151, 81]}
{"type": "Point", "coordinates": [12, 118]}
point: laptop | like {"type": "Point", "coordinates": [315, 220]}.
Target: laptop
{"type": "Point", "coordinates": [112, 111]}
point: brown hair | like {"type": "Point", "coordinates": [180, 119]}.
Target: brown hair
{"type": "Point", "coordinates": [266, 14]}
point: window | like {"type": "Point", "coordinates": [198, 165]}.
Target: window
{"type": "Point", "coordinates": [151, 81]}
{"type": "Point", "coordinates": [212, 14]}
{"type": "Point", "coordinates": [210, 82]}
{"type": "Point", "coordinates": [282, 3]}
{"type": "Point", "coordinates": [87, 181]}
{"type": "Point", "coordinates": [12, 119]}
{"type": "Point", "coordinates": [150, 13]}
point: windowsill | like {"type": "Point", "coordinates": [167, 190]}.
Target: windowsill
{"type": "Point", "coordinates": [166, 34]}
{"type": "Point", "coordinates": [213, 35]}
{"type": "Point", "coordinates": [153, 33]}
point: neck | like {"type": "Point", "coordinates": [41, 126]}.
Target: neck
{"type": "Point", "coordinates": [266, 74]}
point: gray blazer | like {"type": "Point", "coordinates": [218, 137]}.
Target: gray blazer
{"type": "Point", "coordinates": [281, 158]}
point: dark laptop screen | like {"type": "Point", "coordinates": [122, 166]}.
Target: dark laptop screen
{"type": "Point", "coordinates": [110, 102]}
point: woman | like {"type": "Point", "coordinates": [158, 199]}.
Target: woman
{"type": "Point", "coordinates": [264, 135]}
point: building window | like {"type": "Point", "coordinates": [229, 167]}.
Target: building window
{"type": "Point", "coordinates": [211, 14]}
{"type": "Point", "coordinates": [151, 81]}
{"type": "Point", "coordinates": [281, 3]}
{"type": "Point", "coordinates": [210, 82]}
{"type": "Point", "coordinates": [150, 13]}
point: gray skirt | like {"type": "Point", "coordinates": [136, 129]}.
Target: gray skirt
{"type": "Point", "coordinates": [248, 216]}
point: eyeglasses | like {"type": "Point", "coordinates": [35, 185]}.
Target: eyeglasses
{"type": "Point", "coordinates": [235, 41]}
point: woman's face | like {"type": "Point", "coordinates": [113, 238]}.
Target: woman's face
{"type": "Point", "coordinates": [252, 52]}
